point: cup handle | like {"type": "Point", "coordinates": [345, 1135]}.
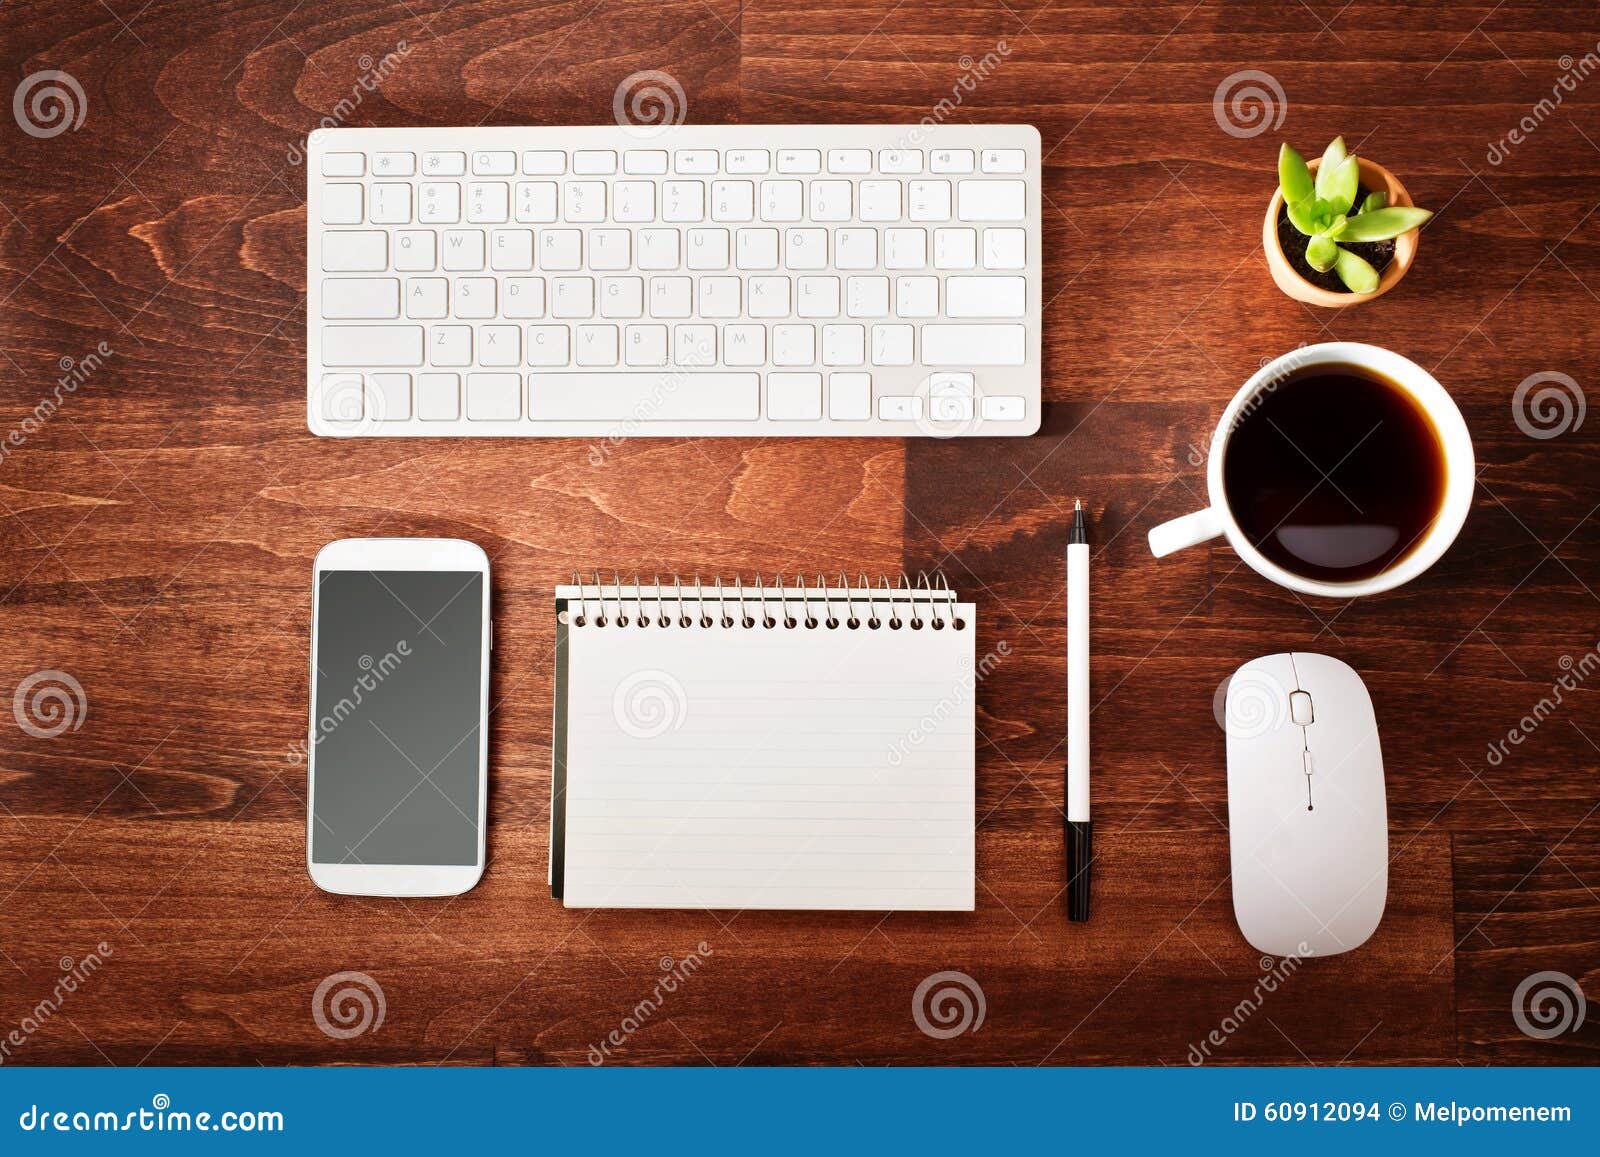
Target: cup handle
{"type": "Point", "coordinates": [1186, 531]}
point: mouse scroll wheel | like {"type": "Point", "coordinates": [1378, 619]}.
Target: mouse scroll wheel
{"type": "Point", "coordinates": [1300, 707]}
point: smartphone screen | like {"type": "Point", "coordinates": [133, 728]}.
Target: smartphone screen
{"type": "Point", "coordinates": [395, 717]}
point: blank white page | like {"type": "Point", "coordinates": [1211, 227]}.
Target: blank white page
{"type": "Point", "coordinates": [770, 767]}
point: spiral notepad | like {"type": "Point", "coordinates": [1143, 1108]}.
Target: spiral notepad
{"type": "Point", "coordinates": [742, 745]}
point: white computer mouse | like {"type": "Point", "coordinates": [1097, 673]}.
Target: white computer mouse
{"type": "Point", "coordinates": [1308, 820]}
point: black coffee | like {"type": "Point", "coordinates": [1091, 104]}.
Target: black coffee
{"type": "Point", "coordinates": [1335, 474]}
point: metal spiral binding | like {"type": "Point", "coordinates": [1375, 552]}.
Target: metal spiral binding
{"type": "Point", "coordinates": [775, 605]}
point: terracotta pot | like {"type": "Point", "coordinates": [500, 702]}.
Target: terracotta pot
{"type": "Point", "coordinates": [1374, 177]}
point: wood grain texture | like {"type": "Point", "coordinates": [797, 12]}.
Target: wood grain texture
{"type": "Point", "coordinates": [158, 534]}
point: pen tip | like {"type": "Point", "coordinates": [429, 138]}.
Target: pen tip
{"type": "Point", "coordinates": [1077, 504]}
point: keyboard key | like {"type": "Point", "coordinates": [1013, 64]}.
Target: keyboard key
{"type": "Point", "coordinates": [844, 345]}
{"type": "Point", "coordinates": [780, 200]}
{"type": "Point", "coordinates": [891, 345]}
{"type": "Point", "coordinates": [389, 397]}
{"type": "Point", "coordinates": [340, 397]}
{"type": "Point", "coordinates": [494, 164]}
{"type": "Point", "coordinates": [855, 162]}
{"type": "Point", "coordinates": [341, 204]}
{"type": "Point", "coordinates": [855, 248]}
{"type": "Point", "coordinates": [880, 200]}
{"type": "Point", "coordinates": [768, 297]}
{"type": "Point", "coordinates": [950, 161]}
{"type": "Point", "coordinates": [444, 164]}
{"type": "Point", "coordinates": [720, 296]}
{"type": "Point", "coordinates": [985, 296]}
{"type": "Point", "coordinates": [893, 409]}
{"type": "Point", "coordinates": [900, 160]}
{"type": "Point", "coordinates": [372, 345]}
{"type": "Point", "coordinates": [950, 383]}
{"type": "Point", "coordinates": [450, 345]}
{"type": "Point", "coordinates": [974, 345]}
{"type": "Point", "coordinates": [955, 248]}
{"type": "Point", "coordinates": [572, 297]}
{"type": "Point", "coordinates": [438, 397]}
{"type": "Point", "coordinates": [950, 408]}
{"type": "Point", "coordinates": [683, 201]}
{"type": "Point", "coordinates": [596, 345]}
{"type": "Point", "coordinates": [1004, 409]}
{"type": "Point", "coordinates": [748, 161]}
{"type": "Point", "coordinates": [360, 297]}
{"type": "Point", "coordinates": [799, 161]}
{"type": "Point", "coordinates": [744, 344]}
{"type": "Point", "coordinates": [928, 201]}
{"type": "Point", "coordinates": [757, 249]}
{"type": "Point", "coordinates": [1005, 161]}
{"type": "Point", "coordinates": [793, 397]}
{"type": "Point", "coordinates": [733, 201]}
{"type": "Point", "coordinates": [905, 248]}
{"type": "Point", "coordinates": [695, 162]}
{"type": "Point", "coordinates": [850, 397]}
{"type": "Point", "coordinates": [644, 345]}
{"type": "Point", "coordinates": [867, 297]}
{"type": "Point", "coordinates": [523, 297]}
{"type": "Point", "coordinates": [805, 248]}
{"type": "Point", "coordinates": [658, 249]}
{"type": "Point", "coordinates": [594, 162]}
{"type": "Point", "coordinates": [391, 204]}
{"type": "Point", "coordinates": [355, 252]}
{"type": "Point", "coordinates": [394, 164]}
{"type": "Point", "coordinates": [1004, 248]}
{"type": "Point", "coordinates": [494, 397]}
{"type": "Point", "coordinates": [670, 296]}
{"type": "Point", "coordinates": [708, 249]}
{"type": "Point", "coordinates": [414, 251]}
{"type": "Point", "coordinates": [427, 298]}
{"type": "Point", "coordinates": [633, 201]}
{"type": "Point", "coordinates": [991, 200]}
{"type": "Point", "coordinates": [463, 250]}
{"type": "Point", "coordinates": [439, 203]}
{"type": "Point", "coordinates": [500, 345]}
{"type": "Point", "coordinates": [622, 297]}
{"type": "Point", "coordinates": [544, 163]}
{"type": "Point", "coordinates": [584, 202]}
{"type": "Point", "coordinates": [795, 345]}
{"type": "Point", "coordinates": [817, 297]}
{"type": "Point", "coordinates": [638, 397]}
{"type": "Point", "coordinates": [694, 345]}
{"type": "Point", "coordinates": [645, 162]}
{"type": "Point", "coordinates": [548, 345]}
{"type": "Point", "coordinates": [561, 249]}
{"type": "Point", "coordinates": [610, 249]}
{"type": "Point", "coordinates": [916, 296]}
{"type": "Point", "coordinates": [511, 250]}
{"type": "Point", "coordinates": [536, 202]}
{"type": "Point", "coordinates": [830, 200]}
{"type": "Point", "coordinates": [343, 164]}
{"type": "Point", "coordinates": [488, 202]}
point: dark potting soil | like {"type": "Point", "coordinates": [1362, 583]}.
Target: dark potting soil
{"type": "Point", "coordinates": [1377, 254]}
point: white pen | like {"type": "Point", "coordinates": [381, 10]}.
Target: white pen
{"type": "Point", "coordinates": [1080, 844]}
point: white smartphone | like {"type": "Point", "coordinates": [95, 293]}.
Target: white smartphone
{"type": "Point", "coordinates": [398, 745]}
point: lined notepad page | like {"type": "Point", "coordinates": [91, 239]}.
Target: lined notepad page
{"type": "Point", "coordinates": [733, 767]}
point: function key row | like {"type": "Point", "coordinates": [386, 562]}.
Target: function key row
{"type": "Point", "coordinates": [689, 162]}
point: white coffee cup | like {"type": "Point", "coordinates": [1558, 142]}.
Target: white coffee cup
{"type": "Point", "coordinates": [1436, 403]}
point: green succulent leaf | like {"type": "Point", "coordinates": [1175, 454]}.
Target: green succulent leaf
{"type": "Point", "coordinates": [1343, 185]}
{"type": "Point", "coordinates": [1357, 275]}
{"type": "Point", "coordinates": [1376, 200]}
{"type": "Point", "coordinates": [1303, 216]}
{"type": "Point", "coordinates": [1294, 177]}
{"type": "Point", "coordinates": [1332, 157]}
{"type": "Point", "coordinates": [1321, 253]}
{"type": "Point", "coordinates": [1381, 224]}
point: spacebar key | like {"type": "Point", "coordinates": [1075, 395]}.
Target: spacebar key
{"type": "Point", "coordinates": [665, 396]}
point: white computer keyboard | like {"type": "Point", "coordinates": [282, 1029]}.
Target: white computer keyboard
{"type": "Point", "coordinates": [610, 281]}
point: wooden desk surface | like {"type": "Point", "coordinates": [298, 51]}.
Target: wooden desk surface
{"type": "Point", "coordinates": [159, 531]}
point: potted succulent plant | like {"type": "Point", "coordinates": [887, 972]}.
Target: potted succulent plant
{"type": "Point", "coordinates": [1340, 230]}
